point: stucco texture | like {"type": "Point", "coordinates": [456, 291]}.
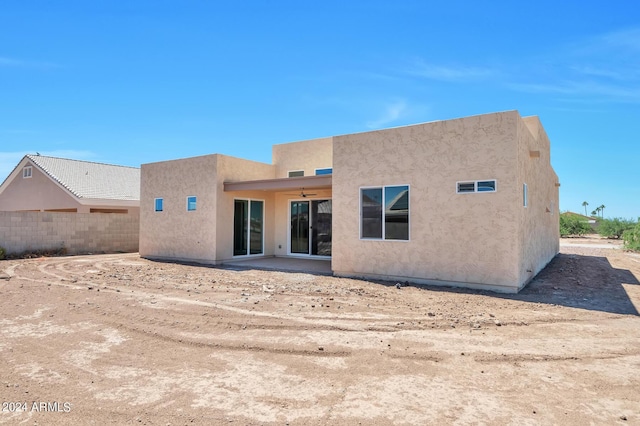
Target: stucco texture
{"type": "Point", "coordinates": [539, 222]}
{"type": "Point", "coordinates": [472, 239]}
{"type": "Point", "coordinates": [306, 155]}
{"type": "Point", "coordinates": [206, 234]}
{"type": "Point", "coordinates": [487, 240]}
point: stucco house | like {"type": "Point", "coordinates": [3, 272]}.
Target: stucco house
{"type": "Point", "coordinates": [50, 184]}
{"type": "Point", "coordinates": [469, 202]}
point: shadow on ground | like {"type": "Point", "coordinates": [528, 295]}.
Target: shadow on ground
{"type": "Point", "coordinates": [586, 282]}
{"type": "Point", "coordinates": [575, 281]}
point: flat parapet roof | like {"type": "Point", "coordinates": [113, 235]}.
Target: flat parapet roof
{"type": "Point", "coordinates": [281, 184]}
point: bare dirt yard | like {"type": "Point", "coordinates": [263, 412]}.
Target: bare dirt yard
{"type": "Point", "coordinates": [116, 339]}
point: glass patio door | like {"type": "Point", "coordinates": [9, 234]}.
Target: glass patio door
{"type": "Point", "coordinates": [311, 227]}
{"type": "Point", "coordinates": [248, 224]}
{"type": "Point", "coordinates": [300, 227]}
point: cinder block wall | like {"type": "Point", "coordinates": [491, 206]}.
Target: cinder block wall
{"type": "Point", "coordinates": [78, 233]}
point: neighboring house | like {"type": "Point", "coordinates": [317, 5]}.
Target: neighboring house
{"type": "Point", "coordinates": [41, 183]}
{"type": "Point", "coordinates": [591, 220]}
{"type": "Point", "coordinates": [469, 202]}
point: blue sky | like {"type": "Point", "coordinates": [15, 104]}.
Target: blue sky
{"type": "Point", "coordinates": [132, 82]}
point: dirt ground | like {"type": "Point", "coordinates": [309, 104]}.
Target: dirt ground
{"type": "Point", "coordinates": [116, 339]}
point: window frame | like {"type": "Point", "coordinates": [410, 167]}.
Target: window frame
{"type": "Point", "coordinates": [295, 171]}
{"type": "Point", "coordinates": [476, 186]}
{"type": "Point", "coordinates": [195, 203]}
{"type": "Point", "coordinates": [383, 237]}
{"type": "Point", "coordinates": [525, 195]}
{"type": "Point", "coordinates": [27, 172]}
{"type": "Point", "coordinates": [155, 204]}
{"type": "Point", "coordinates": [323, 169]}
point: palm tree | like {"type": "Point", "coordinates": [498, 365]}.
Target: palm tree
{"type": "Point", "coordinates": [595, 212]}
{"type": "Point", "coordinates": [602, 210]}
{"type": "Point", "coordinates": [585, 204]}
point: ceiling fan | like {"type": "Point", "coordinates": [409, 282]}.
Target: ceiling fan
{"type": "Point", "coordinates": [301, 193]}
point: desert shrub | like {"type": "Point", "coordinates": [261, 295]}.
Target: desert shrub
{"type": "Point", "coordinates": [573, 225]}
{"type": "Point", "coordinates": [2, 253]}
{"type": "Point", "coordinates": [614, 228]}
{"type": "Point", "coordinates": [631, 238]}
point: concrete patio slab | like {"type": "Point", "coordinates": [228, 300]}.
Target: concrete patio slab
{"type": "Point", "coordinates": [286, 264]}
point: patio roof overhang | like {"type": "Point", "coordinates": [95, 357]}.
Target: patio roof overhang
{"type": "Point", "coordinates": [281, 184]}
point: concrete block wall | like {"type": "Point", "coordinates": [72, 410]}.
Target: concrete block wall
{"type": "Point", "coordinates": [78, 233]}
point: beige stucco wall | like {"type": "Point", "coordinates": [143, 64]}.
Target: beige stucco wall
{"type": "Point", "coordinates": [306, 155]}
{"type": "Point", "coordinates": [233, 169]}
{"type": "Point", "coordinates": [40, 193]}
{"type": "Point", "coordinates": [204, 235]}
{"type": "Point", "coordinates": [539, 223]}
{"type": "Point", "coordinates": [454, 238]}
{"type": "Point", "coordinates": [76, 232]}
{"type": "Point", "coordinates": [176, 233]}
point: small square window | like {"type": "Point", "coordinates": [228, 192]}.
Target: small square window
{"type": "Point", "coordinates": [191, 203]}
{"type": "Point", "coordinates": [326, 171]}
{"type": "Point", "coordinates": [27, 172]}
{"type": "Point", "coordinates": [296, 173]}
{"type": "Point", "coordinates": [159, 204]}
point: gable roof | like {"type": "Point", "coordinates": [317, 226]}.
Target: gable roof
{"type": "Point", "coordinates": [85, 179]}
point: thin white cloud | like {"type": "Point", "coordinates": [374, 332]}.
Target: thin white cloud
{"type": "Point", "coordinates": [600, 69]}
{"type": "Point", "coordinates": [617, 74]}
{"type": "Point", "coordinates": [392, 112]}
{"type": "Point", "coordinates": [449, 73]}
{"type": "Point", "coordinates": [582, 89]}
{"type": "Point", "coordinates": [14, 62]}
{"type": "Point", "coordinates": [627, 40]}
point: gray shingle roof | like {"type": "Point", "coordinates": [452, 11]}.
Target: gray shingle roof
{"type": "Point", "coordinates": [86, 179]}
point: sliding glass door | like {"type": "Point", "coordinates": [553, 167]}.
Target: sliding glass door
{"type": "Point", "coordinates": [300, 227]}
{"type": "Point", "coordinates": [248, 227]}
{"type": "Point", "coordinates": [310, 227]}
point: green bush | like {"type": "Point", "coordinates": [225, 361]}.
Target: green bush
{"type": "Point", "coordinates": [631, 238]}
{"type": "Point", "coordinates": [614, 228]}
{"type": "Point", "coordinates": [573, 225]}
{"type": "Point", "coordinates": [2, 253]}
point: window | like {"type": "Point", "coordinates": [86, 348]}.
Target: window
{"type": "Point", "coordinates": [27, 172]}
{"type": "Point", "coordinates": [384, 213]}
{"type": "Point", "coordinates": [525, 195]}
{"type": "Point", "coordinates": [296, 173]}
{"type": "Point", "coordinates": [326, 171]}
{"type": "Point", "coordinates": [476, 186]}
{"type": "Point", "coordinates": [248, 220]}
{"type": "Point", "coordinates": [191, 204]}
{"type": "Point", "coordinates": [159, 203]}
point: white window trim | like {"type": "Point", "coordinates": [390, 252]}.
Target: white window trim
{"type": "Point", "coordinates": [29, 174]}
{"type": "Point", "coordinates": [264, 204]}
{"type": "Point", "coordinates": [525, 195]}
{"type": "Point", "coordinates": [196, 203]}
{"type": "Point", "coordinates": [475, 186]}
{"type": "Point", "coordinates": [323, 168]}
{"type": "Point", "coordinates": [383, 221]}
{"type": "Point", "coordinates": [155, 201]}
{"type": "Point", "coordinates": [294, 171]}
